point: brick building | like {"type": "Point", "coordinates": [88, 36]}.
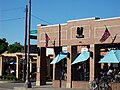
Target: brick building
{"type": "Point", "coordinates": [66, 38]}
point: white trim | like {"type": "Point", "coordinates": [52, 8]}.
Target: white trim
{"type": "Point", "coordinates": [54, 25]}
{"type": "Point", "coordinates": [51, 25]}
{"type": "Point", "coordinates": [38, 25]}
{"type": "Point", "coordinates": [63, 24]}
{"type": "Point", "coordinates": [107, 19]}
{"type": "Point", "coordinates": [81, 19]}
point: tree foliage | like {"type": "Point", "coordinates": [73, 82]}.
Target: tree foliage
{"type": "Point", "coordinates": [16, 47]}
{"type": "Point", "coordinates": [3, 45]}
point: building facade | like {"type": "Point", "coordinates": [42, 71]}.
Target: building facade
{"type": "Point", "coordinates": [73, 38]}
{"type": "Point", "coordinates": [16, 62]}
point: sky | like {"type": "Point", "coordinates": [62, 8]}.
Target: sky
{"type": "Point", "coordinates": [12, 14]}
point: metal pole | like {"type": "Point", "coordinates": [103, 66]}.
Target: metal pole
{"type": "Point", "coordinates": [59, 35]}
{"type": "Point", "coordinates": [25, 44]}
{"type": "Point", "coordinates": [28, 83]}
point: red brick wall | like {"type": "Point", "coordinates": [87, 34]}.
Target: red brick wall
{"type": "Point", "coordinates": [93, 31]}
{"type": "Point", "coordinates": [80, 84]}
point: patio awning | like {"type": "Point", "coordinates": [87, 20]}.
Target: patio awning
{"type": "Point", "coordinates": [13, 62]}
{"type": "Point", "coordinates": [59, 57]}
{"type": "Point", "coordinates": [83, 56]}
{"type": "Point", "coordinates": [113, 56]}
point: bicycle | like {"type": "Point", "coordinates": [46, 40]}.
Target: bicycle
{"type": "Point", "coordinates": [100, 84]}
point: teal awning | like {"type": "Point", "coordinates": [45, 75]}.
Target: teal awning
{"type": "Point", "coordinates": [82, 57]}
{"type": "Point", "coordinates": [113, 56]}
{"type": "Point", "coordinates": [13, 62]}
{"type": "Point", "coordinates": [59, 57]}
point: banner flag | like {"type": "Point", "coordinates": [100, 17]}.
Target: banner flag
{"type": "Point", "coordinates": [46, 40]}
{"type": "Point", "coordinates": [105, 35]}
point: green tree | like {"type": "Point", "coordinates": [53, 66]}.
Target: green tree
{"type": "Point", "coordinates": [16, 47]}
{"type": "Point", "coordinates": [3, 45]}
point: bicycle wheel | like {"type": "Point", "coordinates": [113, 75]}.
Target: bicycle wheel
{"type": "Point", "coordinates": [103, 86]}
{"type": "Point", "coordinates": [93, 85]}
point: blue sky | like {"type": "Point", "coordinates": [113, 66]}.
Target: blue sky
{"type": "Point", "coordinates": [12, 13]}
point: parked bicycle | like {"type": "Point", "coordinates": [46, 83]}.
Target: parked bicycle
{"type": "Point", "coordinates": [100, 84]}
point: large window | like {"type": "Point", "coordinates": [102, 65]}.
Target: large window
{"type": "Point", "coordinates": [80, 71]}
{"type": "Point", "coordinates": [61, 70]}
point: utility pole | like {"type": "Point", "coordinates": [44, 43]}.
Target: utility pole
{"type": "Point", "coordinates": [28, 83]}
{"type": "Point", "coordinates": [25, 44]}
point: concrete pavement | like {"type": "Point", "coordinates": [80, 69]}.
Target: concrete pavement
{"type": "Point", "coordinates": [48, 86]}
{"type": "Point", "coordinates": [45, 87]}
{"type": "Point", "coordinates": [20, 86]}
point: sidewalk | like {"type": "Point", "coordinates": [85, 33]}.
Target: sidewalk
{"type": "Point", "coordinates": [8, 85]}
{"type": "Point", "coordinates": [44, 87]}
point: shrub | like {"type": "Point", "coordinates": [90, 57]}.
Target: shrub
{"type": "Point", "coordinates": [8, 77]}
{"type": "Point", "coordinates": [4, 76]}
{"type": "Point", "coordinates": [14, 78]}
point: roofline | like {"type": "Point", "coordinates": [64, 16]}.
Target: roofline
{"type": "Point", "coordinates": [107, 19]}
{"type": "Point", "coordinates": [94, 18]}
{"type": "Point", "coordinates": [52, 25]}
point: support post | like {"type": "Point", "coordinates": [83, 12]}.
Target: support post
{"type": "Point", "coordinates": [69, 81]}
{"type": "Point", "coordinates": [92, 63]}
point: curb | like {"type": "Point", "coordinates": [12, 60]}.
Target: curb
{"type": "Point", "coordinates": [10, 81]}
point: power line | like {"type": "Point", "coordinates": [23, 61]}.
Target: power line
{"type": "Point", "coordinates": [11, 19]}
{"type": "Point", "coordinates": [5, 10]}
{"type": "Point", "coordinates": [11, 9]}
{"type": "Point", "coordinates": [41, 19]}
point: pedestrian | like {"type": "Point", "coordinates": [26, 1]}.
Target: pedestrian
{"type": "Point", "coordinates": [12, 72]}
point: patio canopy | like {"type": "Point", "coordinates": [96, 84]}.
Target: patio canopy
{"type": "Point", "coordinates": [59, 57]}
{"type": "Point", "coordinates": [113, 56]}
{"type": "Point", "coordinates": [83, 56]}
{"type": "Point", "coordinates": [13, 62]}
